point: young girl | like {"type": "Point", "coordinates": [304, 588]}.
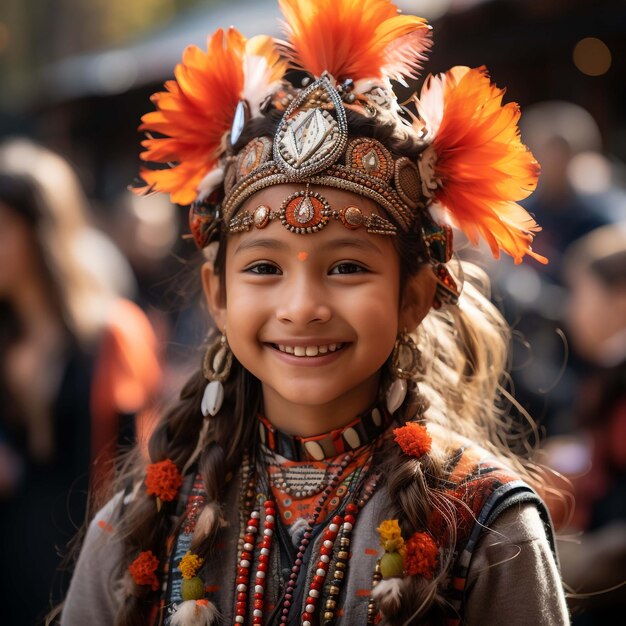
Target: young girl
{"type": "Point", "coordinates": [340, 457]}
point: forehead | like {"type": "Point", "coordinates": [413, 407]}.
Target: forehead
{"type": "Point", "coordinates": [337, 198]}
{"type": "Point", "coordinates": [333, 234]}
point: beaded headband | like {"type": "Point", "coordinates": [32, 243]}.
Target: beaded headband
{"type": "Point", "coordinates": [362, 430]}
{"type": "Point", "coordinates": [311, 145]}
{"type": "Point", "coordinates": [453, 157]}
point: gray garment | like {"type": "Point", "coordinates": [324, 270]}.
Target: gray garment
{"type": "Point", "coordinates": [513, 577]}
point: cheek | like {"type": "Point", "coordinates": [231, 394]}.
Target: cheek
{"type": "Point", "coordinates": [244, 317]}
{"type": "Point", "coordinates": [378, 321]}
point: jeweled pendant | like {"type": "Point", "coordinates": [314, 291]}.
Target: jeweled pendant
{"type": "Point", "coordinates": [313, 132]}
{"type": "Point", "coordinates": [396, 394]}
{"type": "Point", "coordinates": [304, 212]}
{"type": "Point", "coordinates": [212, 399]}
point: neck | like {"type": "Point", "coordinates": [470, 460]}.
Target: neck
{"type": "Point", "coordinates": [308, 420]}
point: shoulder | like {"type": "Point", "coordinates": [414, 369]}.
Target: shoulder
{"type": "Point", "coordinates": [503, 532]}
{"type": "Point", "coordinates": [102, 537]}
{"type": "Point", "coordinates": [479, 487]}
{"type": "Point", "coordinates": [515, 547]}
{"type": "Point", "coordinates": [482, 483]}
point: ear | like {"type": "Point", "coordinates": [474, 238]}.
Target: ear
{"type": "Point", "coordinates": [417, 298]}
{"type": "Point", "coordinates": [213, 292]}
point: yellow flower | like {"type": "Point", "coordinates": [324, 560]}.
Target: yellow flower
{"type": "Point", "coordinates": [189, 565]}
{"type": "Point", "coordinates": [390, 536]}
{"type": "Point", "coordinates": [389, 529]}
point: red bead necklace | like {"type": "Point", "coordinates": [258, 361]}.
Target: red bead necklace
{"type": "Point", "coordinates": [245, 563]}
{"type": "Point", "coordinates": [340, 526]}
{"type": "Point", "coordinates": [306, 538]}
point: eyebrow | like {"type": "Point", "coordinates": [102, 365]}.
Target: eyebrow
{"type": "Point", "coordinates": [352, 242]}
{"type": "Point", "coordinates": [271, 244]}
{"type": "Point", "coordinates": [276, 244]}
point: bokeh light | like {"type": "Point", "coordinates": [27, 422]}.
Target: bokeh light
{"type": "Point", "coordinates": [592, 56]}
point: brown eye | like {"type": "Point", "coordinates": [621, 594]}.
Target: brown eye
{"type": "Point", "coordinates": [347, 268]}
{"type": "Point", "coordinates": [266, 269]}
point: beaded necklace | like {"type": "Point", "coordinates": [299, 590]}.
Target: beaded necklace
{"type": "Point", "coordinates": [335, 547]}
{"type": "Point", "coordinates": [297, 481]}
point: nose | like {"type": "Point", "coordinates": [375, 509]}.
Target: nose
{"type": "Point", "coordinates": [303, 301]}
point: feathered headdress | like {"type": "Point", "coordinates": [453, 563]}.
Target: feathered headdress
{"type": "Point", "coordinates": [462, 160]}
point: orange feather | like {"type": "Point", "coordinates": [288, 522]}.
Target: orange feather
{"type": "Point", "coordinates": [196, 111]}
{"type": "Point", "coordinates": [357, 39]}
{"type": "Point", "coordinates": [482, 167]}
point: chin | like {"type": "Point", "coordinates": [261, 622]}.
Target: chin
{"type": "Point", "coordinates": [309, 397]}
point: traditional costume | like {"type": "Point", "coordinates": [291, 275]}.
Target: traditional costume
{"type": "Point", "coordinates": [309, 534]}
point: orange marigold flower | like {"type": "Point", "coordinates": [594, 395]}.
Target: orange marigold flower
{"type": "Point", "coordinates": [413, 438]}
{"type": "Point", "coordinates": [143, 569]}
{"type": "Point", "coordinates": [163, 480]}
{"type": "Point", "coordinates": [420, 557]}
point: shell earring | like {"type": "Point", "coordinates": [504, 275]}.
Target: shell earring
{"type": "Point", "coordinates": [406, 363]}
{"type": "Point", "coordinates": [218, 361]}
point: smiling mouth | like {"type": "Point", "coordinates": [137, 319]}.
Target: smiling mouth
{"type": "Point", "coordinates": [309, 351]}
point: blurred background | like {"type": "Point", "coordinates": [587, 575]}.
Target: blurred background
{"type": "Point", "coordinates": [77, 76]}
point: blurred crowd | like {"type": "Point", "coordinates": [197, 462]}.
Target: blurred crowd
{"type": "Point", "coordinates": [81, 371]}
{"type": "Point", "coordinates": [569, 354]}
{"type": "Point", "coordinates": [93, 343]}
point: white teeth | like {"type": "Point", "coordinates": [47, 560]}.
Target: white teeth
{"type": "Point", "coordinates": [309, 350]}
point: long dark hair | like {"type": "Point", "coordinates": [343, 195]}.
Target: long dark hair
{"type": "Point", "coordinates": [465, 350]}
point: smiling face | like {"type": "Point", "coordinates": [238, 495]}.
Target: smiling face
{"type": "Point", "coordinates": [313, 317]}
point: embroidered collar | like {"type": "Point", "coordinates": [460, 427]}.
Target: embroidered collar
{"type": "Point", "coordinates": [365, 428]}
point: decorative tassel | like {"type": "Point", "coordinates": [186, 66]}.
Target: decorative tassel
{"type": "Point", "coordinates": [387, 594]}
{"type": "Point", "coordinates": [413, 438]}
{"type": "Point", "coordinates": [199, 446]}
{"type": "Point", "coordinates": [210, 517]}
{"type": "Point", "coordinates": [163, 480]}
{"type": "Point", "coordinates": [195, 613]}
{"type": "Point", "coordinates": [125, 588]}
{"type": "Point", "coordinates": [144, 570]}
